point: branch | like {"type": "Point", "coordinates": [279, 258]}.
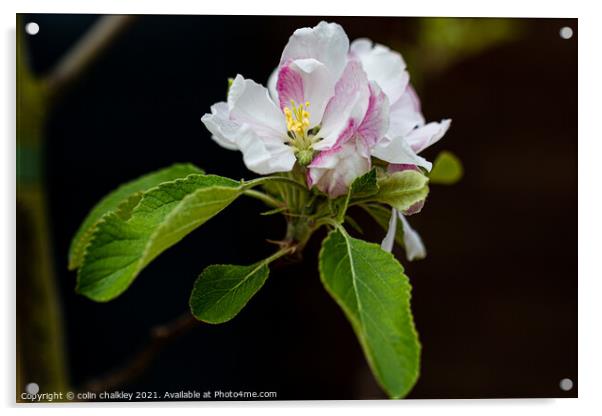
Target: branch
{"type": "Point", "coordinates": [86, 50]}
{"type": "Point", "coordinates": [163, 335]}
{"type": "Point", "coordinates": [160, 337]}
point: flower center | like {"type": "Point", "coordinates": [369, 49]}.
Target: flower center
{"type": "Point", "coordinates": [301, 138]}
{"type": "Point", "coordinates": [297, 118]}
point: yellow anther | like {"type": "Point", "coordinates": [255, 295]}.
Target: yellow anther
{"type": "Point", "coordinates": [297, 118]}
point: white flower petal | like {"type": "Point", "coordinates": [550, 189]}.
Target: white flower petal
{"type": "Point", "coordinates": [397, 150]}
{"type": "Point", "coordinates": [249, 103]}
{"type": "Point", "coordinates": [389, 240]}
{"type": "Point", "coordinates": [405, 114]}
{"type": "Point", "coordinates": [422, 137]}
{"type": "Point", "coordinates": [411, 240]}
{"type": "Point", "coordinates": [263, 155]}
{"type": "Point", "coordinates": [223, 130]}
{"type": "Point", "coordinates": [384, 66]}
{"type": "Point", "coordinates": [272, 80]}
{"type": "Point", "coordinates": [326, 42]}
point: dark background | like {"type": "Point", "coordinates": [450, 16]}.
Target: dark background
{"type": "Point", "coordinates": [495, 302]}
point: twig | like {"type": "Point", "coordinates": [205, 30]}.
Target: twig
{"type": "Point", "coordinates": [88, 48]}
{"type": "Point", "coordinates": [160, 337]}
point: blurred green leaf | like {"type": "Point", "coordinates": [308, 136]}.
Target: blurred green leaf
{"type": "Point", "coordinates": [447, 169]}
{"type": "Point", "coordinates": [32, 103]}
{"type": "Point", "coordinates": [441, 42]}
{"type": "Point", "coordinates": [465, 35]}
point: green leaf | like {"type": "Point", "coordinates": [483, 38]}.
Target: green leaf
{"type": "Point", "coordinates": [222, 290]}
{"type": "Point", "coordinates": [127, 194]}
{"type": "Point", "coordinates": [127, 240]}
{"type": "Point", "coordinates": [382, 215]}
{"type": "Point", "coordinates": [365, 185]}
{"type": "Point", "coordinates": [370, 286]}
{"type": "Point", "coordinates": [361, 187]}
{"type": "Point", "coordinates": [447, 169]}
{"type": "Point", "coordinates": [403, 189]}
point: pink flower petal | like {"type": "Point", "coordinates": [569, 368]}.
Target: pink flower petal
{"type": "Point", "coordinates": [333, 171]}
{"type": "Point", "coordinates": [289, 87]}
{"type": "Point", "coordinates": [376, 121]}
{"type": "Point", "coordinates": [346, 109]}
{"type": "Point", "coordinates": [400, 167]}
{"type": "Point", "coordinates": [306, 80]}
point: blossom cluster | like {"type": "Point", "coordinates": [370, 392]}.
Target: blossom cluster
{"type": "Point", "coordinates": [330, 106]}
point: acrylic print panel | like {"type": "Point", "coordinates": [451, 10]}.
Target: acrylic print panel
{"type": "Point", "coordinates": [361, 208]}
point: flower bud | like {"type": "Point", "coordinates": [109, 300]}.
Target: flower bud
{"type": "Point", "coordinates": [405, 190]}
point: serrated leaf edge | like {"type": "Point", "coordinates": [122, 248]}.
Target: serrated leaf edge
{"type": "Point", "coordinates": [348, 315]}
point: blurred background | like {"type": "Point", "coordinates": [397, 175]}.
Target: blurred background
{"type": "Point", "coordinates": [495, 301]}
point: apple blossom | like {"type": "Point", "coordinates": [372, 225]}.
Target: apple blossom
{"type": "Point", "coordinates": [330, 107]}
{"type": "Point", "coordinates": [319, 99]}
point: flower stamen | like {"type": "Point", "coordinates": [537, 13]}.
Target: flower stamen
{"type": "Point", "coordinates": [301, 137]}
{"type": "Point", "coordinates": [297, 118]}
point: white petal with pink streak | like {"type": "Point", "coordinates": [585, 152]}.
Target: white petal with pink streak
{"type": "Point", "coordinates": [333, 171]}
{"type": "Point", "coordinates": [306, 80]}
{"type": "Point", "coordinates": [346, 109]}
{"type": "Point", "coordinates": [376, 121]}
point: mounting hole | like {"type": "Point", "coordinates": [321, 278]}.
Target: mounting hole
{"type": "Point", "coordinates": [566, 384]}
{"type": "Point", "coordinates": [32, 28]}
{"type": "Point", "coordinates": [566, 32]}
{"type": "Point", "coordinates": [32, 388]}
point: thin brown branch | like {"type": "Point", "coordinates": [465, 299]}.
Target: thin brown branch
{"type": "Point", "coordinates": [160, 337]}
{"type": "Point", "coordinates": [86, 50]}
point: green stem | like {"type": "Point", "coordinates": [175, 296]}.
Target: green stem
{"type": "Point", "coordinates": [330, 221]}
{"type": "Point", "coordinates": [268, 200]}
{"type": "Point", "coordinates": [280, 253]}
{"type": "Point", "coordinates": [259, 181]}
{"type": "Point", "coordinates": [363, 200]}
